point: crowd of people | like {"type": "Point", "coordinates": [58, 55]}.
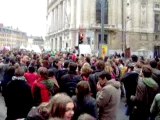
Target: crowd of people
{"type": "Point", "coordinates": [66, 86]}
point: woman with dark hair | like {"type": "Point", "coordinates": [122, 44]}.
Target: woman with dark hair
{"type": "Point", "coordinates": [62, 106]}
{"type": "Point", "coordinates": [83, 101]}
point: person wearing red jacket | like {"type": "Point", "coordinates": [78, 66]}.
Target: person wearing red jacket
{"type": "Point", "coordinates": [42, 87]}
{"type": "Point", "coordinates": [31, 76]}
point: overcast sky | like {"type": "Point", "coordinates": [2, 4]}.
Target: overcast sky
{"type": "Point", "coordinates": [28, 15]}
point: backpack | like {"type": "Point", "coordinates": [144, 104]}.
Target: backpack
{"type": "Point", "coordinates": [50, 86]}
{"type": "Point", "coordinates": [70, 85]}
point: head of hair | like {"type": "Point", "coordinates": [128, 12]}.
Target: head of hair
{"type": "Point", "coordinates": [86, 117]}
{"type": "Point", "coordinates": [31, 69]}
{"type": "Point", "coordinates": [104, 75]}
{"type": "Point", "coordinates": [55, 61]}
{"type": "Point", "coordinates": [19, 72]}
{"type": "Point", "coordinates": [100, 65]}
{"type": "Point", "coordinates": [72, 66]}
{"type": "Point", "coordinates": [134, 58]}
{"type": "Point", "coordinates": [88, 59]}
{"type": "Point", "coordinates": [82, 89]}
{"type": "Point", "coordinates": [66, 64]}
{"type": "Point", "coordinates": [43, 72]}
{"type": "Point", "coordinates": [50, 73]}
{"type": "Point", "coordinates": [147, 71]}
{"type": "Point", "coordinates": [58, 105]}
{"type": "Point", "coordinates": [108, 68]}
{"type": "Point", "coordinates": [153, 63]}
{"type": "Point", "coordinates": [86, 70]}
{"type": "Point", "coordinates": [11, 71]}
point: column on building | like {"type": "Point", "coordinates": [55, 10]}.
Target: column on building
{"type": "Point", "coordinates": [52, 20]}
{"type": "Point", "coordinates": [61, 22]}
{"type": "Point", "coordinates": [63, 14]}
{"type": "Point", "coordinates": [136, 15]}
{"type": "Point", "coordinates": [56, 18]}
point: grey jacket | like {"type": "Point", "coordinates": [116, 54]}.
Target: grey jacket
{"type": "Point", "coordinates": [108, 100]}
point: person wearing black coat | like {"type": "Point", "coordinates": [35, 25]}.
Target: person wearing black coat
{"type": "Point", "coordinates": [18, 97]}
{"type": "Point", "coordinates": [69, 81]}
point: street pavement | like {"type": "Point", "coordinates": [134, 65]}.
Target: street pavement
{"type": "Point", "coordinates": [120, 116]}
{"type": "Point", "coordinates": [2, 108]}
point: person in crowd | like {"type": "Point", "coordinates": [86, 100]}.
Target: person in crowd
{"type": "Point", "coordinates": [40, 112]}
{"type": "Point", "coordinates": [70, 80]}
{"type": "Point", "coordinates": [130, 81]}
{"type": "Point", "coordinates": [51, 76]}
{"type": "Point", "coordinates": [9, 73]}
{"type": "Point", "coordinates": [3, 67]}
{"type": "Point", "coordinates": [85, 72]}
{"type": "Point", "coordinates": [146, 90]}
{"type": "Point", "coordinates": [31, 76]}
{"type": "Point", "coordinates": [42, 88]}
{"type": "Point", "coordinates": [57, 65]}
{"type": "Point", "coordinates": [18, 97]}
{"type": "Point", "coordinates": [93, 78]}
{"type": "Point", "coordinates": [83, 101]}
{"type": "Point", "coordinates": [62, 71]}
{"type": "Point", "coordinates": [108, 96]}
{"type": "Point", "coordinates": [24, 62]}
{"type": "Point", "coordinates": [155, 108]}
{"type": "Point", "coordinates": [109, 69]}
{"type": "Point", "coordinates": [62, 106]}
{"type": "Point", "coordinates": [155, 72]}
{"type": "Point", "coordinates": [86, 117]}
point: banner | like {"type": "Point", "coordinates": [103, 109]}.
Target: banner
{"type": "Point", "coordinates": [104, 50]}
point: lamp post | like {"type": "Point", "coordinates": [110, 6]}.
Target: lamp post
{"type": "Point", "coordinates": [102, 25]}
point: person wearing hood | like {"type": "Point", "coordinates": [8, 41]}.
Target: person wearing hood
{"type": "Point", "coordinates": [108, 96]}
{"type": "Point", "coordinates": [146, 90]}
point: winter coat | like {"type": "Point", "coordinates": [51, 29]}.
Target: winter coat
{"type": "Point", "coordinates": [41, 92]}
{"type": "Point", "coordinates": [31, 77]}
{"type": "Point", "coordinates": [108, 100]}
{"type": "Point", "coordinates": [155, 107]}
{"type": "Point", "coordinates": [93, 79]}
{"type": "Point", "coordinates": [130, 81]}
{"type": "Point", "coordinates": [87, 105]}
{"type": "Point", "coordinates": [18, 98]}
{"type": "Point", "coordinates": [59, 75]}
{"type": "Point", "coordinates": [146, 90]}
{"type": "Point", "coordinates": [69, 83]}
{"type": "Point", "coordinates": [156, 76]}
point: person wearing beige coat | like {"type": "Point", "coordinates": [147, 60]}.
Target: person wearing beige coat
{"type": "Point", "coordinates": [108, 97]}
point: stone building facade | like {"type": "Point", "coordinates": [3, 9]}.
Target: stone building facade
{"type": "Point", "coordinates": [133, 24]}
{"type": "Point", "coordinates": [12, 38]}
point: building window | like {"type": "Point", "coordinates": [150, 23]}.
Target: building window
{"type": "Point", "coordinates": [98, 12]}
{"type": "Point", "coordinates": [105, 38]}
{"type": "Point", "coordinates": [156, 5]}
{"type": "Point", "coordinates": [157, 22]}
{"type": "Point", "coordinates": [156, 37]}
